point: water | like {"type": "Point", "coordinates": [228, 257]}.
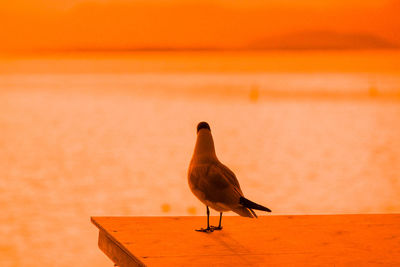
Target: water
{"type": "Point", "coordinates": [81, 139]}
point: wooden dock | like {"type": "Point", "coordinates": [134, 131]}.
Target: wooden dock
{"type": "Point", "coordinates": [306, 240]}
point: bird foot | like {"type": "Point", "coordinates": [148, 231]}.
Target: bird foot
{"type": "Point", "coordinates": [209, 229]}
{"type": "Point", "coordinates": [205, 230]}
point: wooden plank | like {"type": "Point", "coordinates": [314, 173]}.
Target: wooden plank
{"type": "Point", "coordinates": [340, 240]}
{"type": "Point", "coordinates": [115, 252]}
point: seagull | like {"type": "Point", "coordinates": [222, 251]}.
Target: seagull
{"type": "Point", "coordinates": [214, 184]}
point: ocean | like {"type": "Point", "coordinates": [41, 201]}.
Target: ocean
{"type": "Point", "coordinates": [112, 134]}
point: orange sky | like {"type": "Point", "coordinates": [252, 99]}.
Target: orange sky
{"type": "Point", "coordinates": [178, 24]}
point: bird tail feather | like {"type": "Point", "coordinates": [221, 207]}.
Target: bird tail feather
{"type": "Point", "coordinates": [244, 212]}
{"type": "Point", "coordinates": [252, 212]}
{"type": "Point", "coordinates": [251, 205]}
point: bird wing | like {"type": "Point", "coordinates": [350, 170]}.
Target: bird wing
{"type": "Point", "coordinates": [230, 176]}
{"type": "Point", "coordinates": [215, 182]}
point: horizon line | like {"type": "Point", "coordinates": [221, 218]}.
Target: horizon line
{"type": "Point", "coordinates": [188, 49]}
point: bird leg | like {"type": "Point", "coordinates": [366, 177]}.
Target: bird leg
{"type": "Point", "coordinates": [208, 229]}
{"type": "Point", "coordinates": [219, 226]}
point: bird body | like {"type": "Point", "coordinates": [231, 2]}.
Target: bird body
{"type": "Point", "coordinates": [214, 184]}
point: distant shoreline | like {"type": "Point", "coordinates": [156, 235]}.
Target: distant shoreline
{"type": "Point", "coordinates": [185, 50]}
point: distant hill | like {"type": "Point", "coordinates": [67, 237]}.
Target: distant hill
{"type": "Point", "coordinates": [132, 25]}
{"type": "Point", "coordinates": [324, 40]}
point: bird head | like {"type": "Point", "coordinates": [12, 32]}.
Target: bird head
{"type": "Point", "coordinates": [203, 125]}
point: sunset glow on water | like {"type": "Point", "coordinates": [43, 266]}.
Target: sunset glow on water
{"type": "Point", "coordinates": [103, 143]}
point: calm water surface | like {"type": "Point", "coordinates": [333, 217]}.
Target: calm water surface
{"type": "Point", "coordinates": [82, 141]}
